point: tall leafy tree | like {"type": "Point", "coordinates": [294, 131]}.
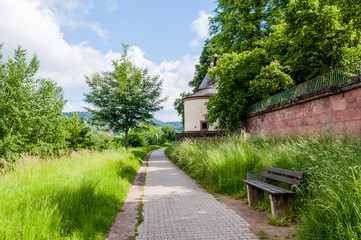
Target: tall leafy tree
{"type": "Point", "coordinates": [232, 76]}
{"type": "Point", "coordinates": [125, 96]}
{"type": "Point", "coordinates": [238, 25]}
{"type": "Point", "coordinates": [324, 34]}
{"type": "Point", "coordinates": [30, 109]}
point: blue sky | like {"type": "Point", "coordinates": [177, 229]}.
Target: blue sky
{"type": "Point", "coordinates": [73, 38]}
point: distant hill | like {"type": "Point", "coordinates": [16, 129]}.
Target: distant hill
{"type": "Point", "coordinates": [80, 114]}
{"type": "Point", "coordinates": [178, 126]}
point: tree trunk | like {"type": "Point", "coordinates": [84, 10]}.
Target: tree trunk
{"type": "Point", "coordinates": [126, 140]}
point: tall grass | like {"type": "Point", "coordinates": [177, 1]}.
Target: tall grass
{"type": "Point", "coordinates": [73, 197]}
{"type": "Point", "coordinates": [328, 204]}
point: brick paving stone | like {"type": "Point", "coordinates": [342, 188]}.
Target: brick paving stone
{"type": "Point", "coordinates": [176, 207]}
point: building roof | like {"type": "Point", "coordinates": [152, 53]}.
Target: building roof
{"type": "Point", "coordinates": [206, 89]}
{"type": "Point", "coordinates": [206, 82]}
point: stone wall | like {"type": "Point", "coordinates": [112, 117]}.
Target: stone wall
{"type": "Point", "coordinates": [335, 108]}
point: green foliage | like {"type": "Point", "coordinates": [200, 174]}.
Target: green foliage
{"type": "Point", "coordinates": [30, 109]}
{"type": "Point", "coordinates": [205, 60]}
{"type": "Point", "coordinates": [74, 197]}
{"type": "Point", "coordinates": [179, 105]}
{"type": "Point", "coordinates": [321, 34]}
{"type": "Point", "coordinates": [219, 165]}
{"type": "Point", "coordinates": [136, 140]}
{"type": "Point", "coordinates": [328, 201]}
{"type": "Point", "coordinates": [101, 140]}
{"type": "Point", "coordinates": [309, 37]}
{"type": "Point", "coordinates": [238, 25]}
{"type": "Point", "coordinates": [125, 96]}
{"type": "Point", "coordinates": [168, 135]}
{"type": "Point", "coordinates": [79, 134]}
{"type": "Point", "coordinates": [270, 80]}
{"type": "Point", "coordinates": [233, 75]}
{"type": "Point", "coordinates": [154, 135]}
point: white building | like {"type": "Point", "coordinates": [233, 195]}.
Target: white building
{"type": "Point", "coordinates": [195, 107]}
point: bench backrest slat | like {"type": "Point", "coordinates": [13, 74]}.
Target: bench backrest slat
{"type": "Point", "coordinates": [291, 181]}
{"type": "Point", "coordinates": [284, 172]}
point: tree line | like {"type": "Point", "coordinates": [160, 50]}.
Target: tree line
{"type": "Point", "coordinates": [31, 119]}
{"type": "Point", "coordinates": [266, 46]}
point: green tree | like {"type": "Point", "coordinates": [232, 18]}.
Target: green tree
{"type": "Point", "coordinates": [136, 139]}
{"type": "Point", "coordinates": [179, 105]}
{"type": "Point", "coordinates": [78, 133]}
{"type": "Point", "coordinates": [150, 132]}
{"type": "Point", "coordinates": [168, 134]}
{"type": "Point", "coordinates": [271, 79]}
{"type": "Point", "coordinates": [238, 25]}
{"type": "Point", "coordinates": [124, 97]}
{"type": "Point", "coordinates": [324, 34]}
{"type": "Point", "coordinates": [232, 76]}
{"type": "Point", "coordinates": [30, 109]}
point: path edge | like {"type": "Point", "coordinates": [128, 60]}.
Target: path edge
{"type": "Point", "coordinates": [124, 224]}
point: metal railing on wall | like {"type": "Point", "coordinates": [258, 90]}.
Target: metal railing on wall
{"type": "Point", "coordinates": [329, 79]}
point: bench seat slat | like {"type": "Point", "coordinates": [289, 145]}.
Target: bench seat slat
{"type": "Point", "coordinates": [284, 172]}
{"type": "Point", "coordinates": [269, 187]}
{"type": "Point", "coordinates": [279, 178]}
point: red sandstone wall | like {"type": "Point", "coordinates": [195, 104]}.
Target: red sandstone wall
{"type": "Point", "coordinates": [336, 112]}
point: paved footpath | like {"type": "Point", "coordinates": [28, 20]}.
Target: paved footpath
{"type": "Point", "coordinates": [175, 207]}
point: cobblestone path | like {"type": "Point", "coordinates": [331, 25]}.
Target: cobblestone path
{"type": "Point", "coordinates": [175, 207]}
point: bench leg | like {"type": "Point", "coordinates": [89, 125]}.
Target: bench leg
{"type": "Point", "coordinates": [254, 195]}
{"type": "Point", "coordinates": [280, 204]}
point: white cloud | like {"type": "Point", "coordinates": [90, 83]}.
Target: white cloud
{"type": "Point", "coordinates": [200, 26]}
{"type": "Point", "coordinates": [194, 43]}
{"type": "Point", "coordinates": [70, 14]}
{"type": "Point", "coordinates": [95, 27]}
{"type": "Point", "coordinates": [176, 75]}
{"type": "Point", "coordinates": [34, 25]}
{"type": "Point", "coordinates": [75, 107]}
{"type": "Point", "coordinates": [111, 5]}
{"type": "Point", "coordinates": [27, 23]}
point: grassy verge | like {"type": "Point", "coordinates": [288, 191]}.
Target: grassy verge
{"type": "Point", "coordinates": [73, 197]}
{"type": "Point", "coordinates": [328, 203]}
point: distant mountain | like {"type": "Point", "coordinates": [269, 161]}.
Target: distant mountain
{"type": "Point", "coordinates": [80, 114]}
{"type": "Point", "coordinates": [178, 126]}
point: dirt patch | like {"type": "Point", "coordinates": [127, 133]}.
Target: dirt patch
{"type": "Point", "coordinates": [257, 219]}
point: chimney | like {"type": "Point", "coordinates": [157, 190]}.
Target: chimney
{"type": "Point", "coordinates": [214, 63]}
{"type": "Point", "coordinates": [215, 60]}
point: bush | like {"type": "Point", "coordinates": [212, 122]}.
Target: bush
{"type": "Point", "coordinates": [136, 140]}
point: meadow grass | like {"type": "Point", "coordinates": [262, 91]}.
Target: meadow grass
{"type": "Point", "coordinates": [72, 197]}
{"type": "Point", "coordinates": [328, 204]}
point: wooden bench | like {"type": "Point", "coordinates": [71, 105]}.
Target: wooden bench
{"type": "Point", "coordinates": [281, 199]}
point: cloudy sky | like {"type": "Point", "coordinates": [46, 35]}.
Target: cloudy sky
{"type": "Point", "coordinates": [73, 38]}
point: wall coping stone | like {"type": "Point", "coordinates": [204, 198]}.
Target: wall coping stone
{"type": "Point", "coordinates": [341, 87]}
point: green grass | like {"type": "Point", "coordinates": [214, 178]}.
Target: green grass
{"type": "Point", "coordinates": [73, 197]}
{"type": "Point", "coordinates": [328, 204]}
